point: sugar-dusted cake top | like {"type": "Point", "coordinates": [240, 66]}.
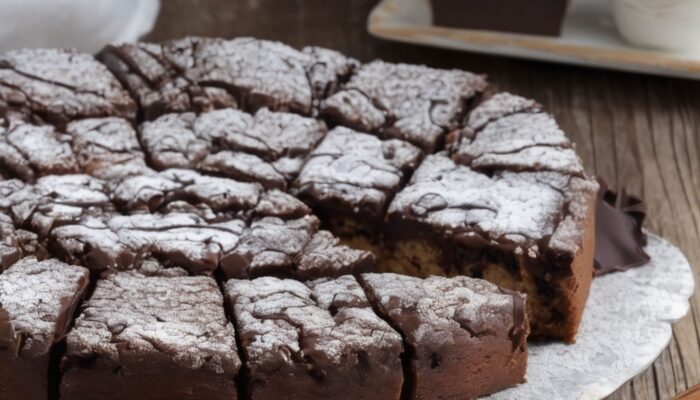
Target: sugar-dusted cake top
{"type": "Point", "coordinates": [268, 147]}
{"type": "Point", "coordinates": [410, 102]}
{"type": "Point", "coordinates": [58, 85]}
{"type": "Point", "coordinates": [525, 209]}
{"type": "Point", "coordinates": [320, 324]}
{"type": "Point", "coordinates": [36, 304]}
{"type": "Point", "coordinates": [509, 132]}
{"type": "Point", "coordinates": [357, 170]}
{"type": "Point", "coordinates": [180, 319]}
{"type": "Point", "coordinates": [436, 311]}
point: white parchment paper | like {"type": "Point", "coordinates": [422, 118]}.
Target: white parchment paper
{"type": "Point", "coordinates": [626, 325]}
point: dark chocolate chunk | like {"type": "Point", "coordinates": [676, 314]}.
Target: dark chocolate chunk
{"type": "Point", "coordinates": [59, 85]}
{"type": "Point", "coordinates": [620, 240]}
{"type": "Point", "coordinates": [467, 337]}
{"type": "Point", "coordinates": [317, 340]}
{"type": "Point", "coordinates": [141, 337]}
{"type": "Point", "coordinates": [409, 102]}
{"type": "Point", "coordinates": [37, 302]}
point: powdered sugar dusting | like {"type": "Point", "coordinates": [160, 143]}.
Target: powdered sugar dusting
{"type": "Point", "coordinates": [357, 169]}
{"type": "Point", "coordinates": [37, 295]}
{"type": "Point", "coordinates": [60, 85]}
{"type": "Point", "coordinates": [283, 321]}
{"type": "Point", "coordinates": [423, 103]}
{"type": "Point", "coordinates": [439, 311]}
{"type": "Point", "coordinates": [182, 318]}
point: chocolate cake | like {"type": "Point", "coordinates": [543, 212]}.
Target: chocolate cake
{"type": "Point", "coordinates": [202, 74]}
{"type": "Point", "coordinates": [174, 171]}
{"type": "Point", "coordinates": [465, 337]}
{"type": "Point", "coordinates": [314, 341]}
{"type": "Point", "coordinates": [141, 337]}
{"type": "Point", "coordinates": [512, 206]}
{"type": "Point", "coordinates": [350, 178]}
{"type": "Point", "coordinates": [408, 102]}
{"type": "Point", "coordinates": [57, 86]}
{"type": "Point", "coordinates": [37, 302]}
{"type": "Point", "coordinates": [268, 148]}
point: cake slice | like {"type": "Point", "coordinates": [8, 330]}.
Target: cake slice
{"type": "Point", "coordinates": [58, 85]}
{"type": "Point", "coordinates": [158, 84]}
{"type": "Point", "coordinates": [318, 340]}
{"type": "Point", "coordinates": [350, 178]}
{"type": "Point", "coordinates": [464, 337]}
{"type": "Point", "coordinates": [119, 242]}
{"type": "Point", "coordinates": [268, 147]}
{"type": "Point", "coordinates": [107, 148]}
{"type": "Point", "coordinates": [141, 337]}
{"type": "Point", "coordinates": [293, 248]}
{"type": "Point", "coordinates": [37, 302]}
{"type": "Point", "coordinates": [414, 103]}
{"type": "Point", "coordinates": [530, 231]}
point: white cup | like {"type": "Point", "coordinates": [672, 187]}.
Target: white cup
{"type": "Point", "coordinates": [663, 24]}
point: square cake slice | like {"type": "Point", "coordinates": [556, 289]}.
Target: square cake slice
{"type": "Point", "coordinates": [262, 73]}
{"type": "Point", "coordinates": [351, 177]}
{"type": "Point", "coordinates": [513, 133]}
{"type": "Point", "coordinates": [37, 303]}
{"type": "Point", "coordinates": [107, 148]}
{"type": "Point", "coordinates": [526, 231]}
{"type": "Point", "coordinates": [318, 340]}
{"type": "Point", "coordinates": [59, 85]}
{"type": "Point", "coordinates": [268, 147]}
{"type": "Point", "coordinates": [119, 242]}
{"type": "Point", "coordinates": [140, 337]}
{"type": "Point", "coordinates": [158, 84]}
{"type": "Point", "coordinates": [465, 337]}
{"type": "Point", "coordinates": [293, 248]}
{"type": "Point", "coordinates": [414, 103]}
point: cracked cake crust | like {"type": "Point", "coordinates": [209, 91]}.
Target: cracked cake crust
{"type": "Point", "coordinates": [314, 340]}
{"type": "Point", "coordinates": [134, 331]}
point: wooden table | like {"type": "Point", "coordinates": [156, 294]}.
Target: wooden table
{"type": "Point", "coordinates": [639, 130]}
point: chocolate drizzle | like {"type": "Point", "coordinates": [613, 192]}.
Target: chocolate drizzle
{"type": "Point", "coordinates": [619, 238]}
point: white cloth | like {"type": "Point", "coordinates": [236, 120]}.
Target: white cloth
{"type": "Point", "coordinates": [86, 25]}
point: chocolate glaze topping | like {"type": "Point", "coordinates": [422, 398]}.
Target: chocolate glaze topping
{"type": "Point", "coordinates": [620, 240]}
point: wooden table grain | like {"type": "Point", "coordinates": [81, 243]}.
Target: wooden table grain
{"type": "Point", "coordinates": [638, 130]}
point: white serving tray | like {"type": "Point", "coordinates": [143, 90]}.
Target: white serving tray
{"type": "Point", "coordinates": [626, 325]}
{"type": "Point", "coordinates": [589, 38]}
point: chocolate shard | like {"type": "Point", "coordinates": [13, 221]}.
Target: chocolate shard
{"type": "Point", "coordinates": [620, 240]}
